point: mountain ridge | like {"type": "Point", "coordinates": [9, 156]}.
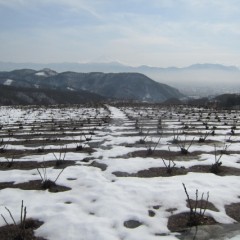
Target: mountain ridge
{"type": "Point", "coordinates": [90, 66]}
{"type": "Point", "coordinates": [31, 96]}
{"type": "Point", "coordinates": [122, 86]}
{"type": "Point", "coordinates": [200, 80]}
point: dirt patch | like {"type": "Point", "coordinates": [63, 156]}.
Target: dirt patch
{"type": "Point", "coordinates": [233, 211]}
{"type": "Point", "coordinates": [29, 165]}
{"type": "Point", "coordinates": [35, 185]}
{"type": "Point", "coordinates": [163, 171]}
{"type": "Point", "coordinates": [151, 213]}
{"type": "Point", "coordinates": [132, 224]}
{"type": "Point", "coordinates": [223, 170]}
{"type": "Point", "coordinates": [203, 204]}
{"type": "Point", "coordinates": [180, 222]}
{"type": "Point", "coordinates": [166, 154]}
{"type": "Point", "coordinates": [12, 232]}
{"type": "Point", "coordinates": [102, 166]}
{"type": "Point", "coordinates": [153, 172]}
{"type": "Point", "coordinates": [9, 153]}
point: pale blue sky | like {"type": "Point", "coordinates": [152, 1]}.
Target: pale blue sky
{"type": "Point", "coordinates": [135, 32]}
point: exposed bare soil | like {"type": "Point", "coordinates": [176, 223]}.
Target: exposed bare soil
{"type": "Point", "coordinates": [12, 232]}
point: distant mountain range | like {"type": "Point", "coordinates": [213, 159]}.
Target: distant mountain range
{"type": "Point", "coordinates": [197, 79]}
{"type": "Point", "coordinates": [123, 86]}
{"type": "Point", "coordinates": [108, 67]}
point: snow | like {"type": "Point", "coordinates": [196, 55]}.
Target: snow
{"type": "Point", "coordinates": [100, 202]}
{"type": "Point", "coordinates": [70, 89]}
{"type": "Point", "coordinates": [8, 82]}
{"type": "Point", "coordinates": [43, 74]}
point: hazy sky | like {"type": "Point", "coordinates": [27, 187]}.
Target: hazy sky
{"type": "Point", "coordinates": [136, 32]}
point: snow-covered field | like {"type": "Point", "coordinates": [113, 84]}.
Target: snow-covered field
{"type": "Point", "coordinates": [100, 204]}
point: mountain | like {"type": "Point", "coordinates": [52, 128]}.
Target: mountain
{"type": "Point", "coordinates": [106, 67]}
{"type": "Point", "coordinates": [223, 101]}
{"type": "Point", "coordinates": [123, 86]}
{"type": "Point", "coordinates": [228, 101]}
{"type": "Point", "coordinates": [109, 67]}
{"type": "Point", "coordinates": [198, 80]}
{"type": "Point", "coordinates": [32, 96]}
{"type": "Point", "coordinates": [207, 66]}
{"type": "Point", "coordinates": [195, 80]}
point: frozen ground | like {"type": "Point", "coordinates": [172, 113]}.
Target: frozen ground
{"type": "Point", "coordinates": [99, 203]}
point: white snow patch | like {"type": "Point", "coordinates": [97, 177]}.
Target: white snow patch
{"type": "Point", "coordinates": [43, 74]}
{"type": "Point", "coordinates": [8, 82]}
{"type": "Point", "coordinates": [71, 89]}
